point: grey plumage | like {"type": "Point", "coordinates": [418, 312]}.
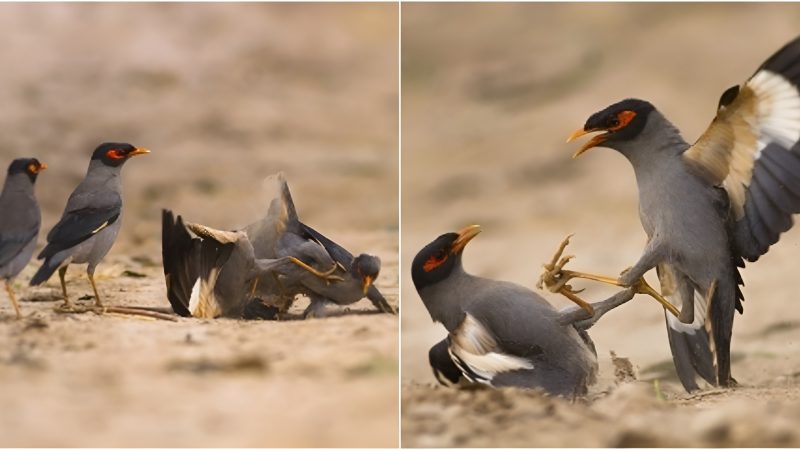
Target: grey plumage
{"type": "Point", "coordinates": [281, 233]}
{"type": "Point", "coordinates": [91, 219]}
{"type": "Point", "coordinates": [708, 206]}
{"type": "Point", "coordinates": [20, 219]}
{"type": "Point", "coordinates": [500, 333]}
{"type": "Point", "coordinates": [213, 275]}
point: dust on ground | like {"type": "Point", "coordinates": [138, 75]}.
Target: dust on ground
{"type": "Point", "coordinates": [224, 95]}
{"type": "Point", "coordinates": [490, 93]}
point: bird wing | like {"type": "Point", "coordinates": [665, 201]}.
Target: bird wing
{"type": "Point", "coordinates": [11, 243]}
{"type": "Point", "coordinates": [77, 225]}
{"type": "Point", "coordinates": [477, 354]}
{"type": "Point", "coordinates": [281, 218]}
{"type": "Point", "coordinates": [337, 252]}
{"type": "Point", "coordinates": [192, 265]}
{"type": "Point", "coordinates": [752, 150]}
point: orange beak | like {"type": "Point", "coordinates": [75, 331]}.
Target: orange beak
{"type": "Point", "coordinates": [464, 236]}
{"type": "Point", "coordinates": [139, 151]}
{"type": "Point", "coordinates": [594, 142]}
{"type": "Point", "coordinates": [366, 282]}
{"type": "Point", "coordinates": [41, 167]}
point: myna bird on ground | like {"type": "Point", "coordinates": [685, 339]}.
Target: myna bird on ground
{"type": "Point", "coordinates": [500, 333]}
{"type": "Point", "coordinates": [709, 206]}
{"type": "Point", "coordinates": [214, 274]}
{"type": "Point", "coordinates": [20, 220]}
{"type": "Point", "coordinates": [281, 233]}
{"type": "Point", "coordinates": [91, 220]}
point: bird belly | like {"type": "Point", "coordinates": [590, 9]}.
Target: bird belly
{"type": "Point", "coordinates": [17, 263]}
{"type": "Point", "coordinates": [94, 249]}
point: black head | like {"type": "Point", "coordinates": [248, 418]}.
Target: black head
{"type": "Point", "coordinates": [115, 154]}
{"type": "Point", "coordinates": [366, 267]}
{"type": "Point", "coordinates": [28, 166]}
{"type": "Point", "coordinates": [436, 261]}
{"type": "Point", "coordinates": [621, 122]}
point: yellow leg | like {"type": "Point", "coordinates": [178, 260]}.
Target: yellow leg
{"type": "Point", "coordinates": [62, 272]}
{"type": "Point", "coordinates": [555, 279]}
{"type": "Point", "coordinates": [13, 299]}
{"type": "Point", "coordinates": [97, 300]}
{"type": "Point", "coordinates": [641, 287]}
{"type": "Point", "coordinates": [327, 275]}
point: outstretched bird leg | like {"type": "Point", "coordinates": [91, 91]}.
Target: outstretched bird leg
{"type": "Point", "coordinates": [555, 279]}
{"type": "Point", "coordinates": [328, 275]}
{"type": "Point", "coordinates": [97, 301]}
{"type": "Point", "coordinates": [578, 317]}
{"type": "Point", "coordinates": [13, 299]}
{"type": "Point", "coordinates": [62, 272]}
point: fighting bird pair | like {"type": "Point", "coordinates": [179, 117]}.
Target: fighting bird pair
{"type": "Point", "coordinates": [87, 229]}
{"type": "Point", "coordinates": [256, 272]}
{"type": "Point", "coordinates": [705, 207]}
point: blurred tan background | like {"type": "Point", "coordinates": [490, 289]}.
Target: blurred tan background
{"type": "Point", "coordinates": [224, 95]}
{"type": "Point", "coordinates": [490, 93]}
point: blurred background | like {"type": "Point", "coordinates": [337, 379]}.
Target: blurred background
{"type": "Point", "coordinates": [224, 95]}
{"type": "Point", "coordinates": [491, 92]}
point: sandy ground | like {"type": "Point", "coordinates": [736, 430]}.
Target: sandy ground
{"type": "Point", "coordinates": [490, 92]}
{"type": "Point", "coordinates": [224, 95]}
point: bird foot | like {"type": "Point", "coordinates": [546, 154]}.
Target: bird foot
{"type": "Point", "coordinates": [555, 279]}
{"type": "Point", "coordinates": [328, 275]}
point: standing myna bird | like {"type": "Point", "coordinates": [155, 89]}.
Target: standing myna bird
{"type": "Point", "coordinates": [500, 333]}
{"type": "Point", "coordinates": [281, 233]}
{"type": "Point", "coordinates": [20, 219]}
{"type": "Point", "coordinates": [214, 274]}
{"type": "Point", "coordinates": [706, 207]}
{"type": "Point", "coordinates": [91, 219]}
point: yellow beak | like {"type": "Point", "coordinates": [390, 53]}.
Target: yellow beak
{"type": "Point", "coordinates": [594, 142]}
{"type": "Point", "coordinates": [464, 236]}
{"type": "Point", "coordinates": [139, 151]}
{"type": "Point", "coordinates": [366, 282]}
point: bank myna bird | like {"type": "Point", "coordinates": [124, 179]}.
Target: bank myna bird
{"type": "Point", "coordinates": [281, 233]}
{"type": "Point", "coordinates": [500, 333]}
{"type": "Point", "coordinates": [709, 206]}
{"type": "Point", "coordinates": [214, 274]}
{"type": "Point", "coordinates": [91, 220]}
{"type": "Point", "coordinates": [20, 219]}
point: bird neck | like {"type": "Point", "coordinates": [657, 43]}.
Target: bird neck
{"type": "Point", "coordinates": [659, 143]}
{"type": "Point", "coordinates": [18, 183]}
{"type": "Point", "coordinates": [443, 299]}
{"type": "Point", "coordinates": [103, 174]}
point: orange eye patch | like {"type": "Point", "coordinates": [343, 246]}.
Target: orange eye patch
{"type": "Point", "coordinates": [623, 119]}
{"type": "Point", "coordinates": [32, 168]}
{"type": "Point", "coordinates": [434, 262]}
{"type": "Point", "coordinates": [115, 154]}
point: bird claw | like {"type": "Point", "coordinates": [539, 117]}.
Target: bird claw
{"type": "Point", "coordinates": [555, 279]}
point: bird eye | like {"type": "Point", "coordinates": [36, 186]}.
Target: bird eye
{"type": "Point", "coordinates": [614, 123]}
{"type": "Point", "coordinates": [32, 168]}
{"type": "Point", "coordinates": [115, 154]}
{"type": "Point", "coordinates": [435, 260]}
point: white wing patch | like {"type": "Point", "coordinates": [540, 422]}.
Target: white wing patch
{"type": "Point", "coordinates": [203, 297]}
{"type": "Point", "coordinates": [700, 306]}
{"type": "Point", "coordinates": [105, 224]}
{"type": "Point", "coordinates": [475, 351]}
{"type": "Point", "coordinates": [777, 111]}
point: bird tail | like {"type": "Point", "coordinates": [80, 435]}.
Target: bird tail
{"type": "Point", "coordinates": [444, 369]}
{"type": "Point", "coordinates": [691, 349]}
{"type": "Point", "coordinates": [724, 298]}
{"type": "Point", "coordinates": [180, 253]}
{"type": "Point", "coordinates": [50, 265]}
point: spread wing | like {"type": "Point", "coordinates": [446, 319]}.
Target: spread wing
{"type": "Point", "coordinates": [78, 225]}
{"type": "Point", "coordinates": [281, 217]}
{"type": "Point", "coordinates": [337, 252]}
{"type": "Point", "coordinates": [752, 149]}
